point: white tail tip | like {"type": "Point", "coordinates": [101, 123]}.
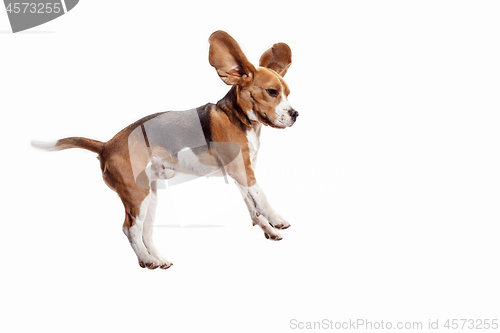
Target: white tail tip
{"type": "Point", "coordinates": [48, 145]}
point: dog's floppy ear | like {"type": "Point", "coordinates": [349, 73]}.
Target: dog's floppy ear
{"type": "Point", "coordinates": [230, 62]}
{"type": "Point", "coordinates": [278, 58]}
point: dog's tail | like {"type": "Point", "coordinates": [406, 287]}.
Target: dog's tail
{"type": "Point", "coordinates": [74, 142]}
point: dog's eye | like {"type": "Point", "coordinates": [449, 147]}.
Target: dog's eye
{"type": "Point", "coordinates": [272, 92]}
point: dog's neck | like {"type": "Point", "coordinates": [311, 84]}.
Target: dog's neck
{"type": "Point", "coordinates": [232, 108]}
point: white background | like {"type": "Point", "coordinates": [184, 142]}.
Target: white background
{"type": "Point", "coordinates": [390, 177]}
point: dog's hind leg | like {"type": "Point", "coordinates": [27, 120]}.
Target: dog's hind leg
{"type": "Point", "coordinates": [147, 233]}
{"type": "Point", "coordinates": [137, 200]}
{"type": "Point", "coordinates": [140, 207]}
{"type": "Point", "coordinates": [135, 214]}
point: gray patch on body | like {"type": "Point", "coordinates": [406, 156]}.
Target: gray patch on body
{"type": "Point", "coordinates": [179, 133]}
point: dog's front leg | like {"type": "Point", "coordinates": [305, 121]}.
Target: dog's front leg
{"type": "Point", "coordinates": [261, 212]}
{"type": "Point", "coordinates": [263, 207]}
{"type": "Point", "coordinates": [257, 218]}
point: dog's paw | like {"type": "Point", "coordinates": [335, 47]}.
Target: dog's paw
{"type": "Point", "coordinates": [166, 265]}
{"type": "Point", "coordinates": [162, 262]}
{"type": "Point", "coordinates": [279, 222]}
{"type": "Point", "coordinates": [150, 263]}
{"type": "Point", "coordinates": [271, 234]}
{"type": "Point", "coordinates": [274, 237]}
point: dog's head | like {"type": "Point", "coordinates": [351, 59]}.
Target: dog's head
{"type": "Point", "coordinates": [261, 92]}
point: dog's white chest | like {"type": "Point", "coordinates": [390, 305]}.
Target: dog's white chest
{"type": "Point", "coordinates": [253, 143]}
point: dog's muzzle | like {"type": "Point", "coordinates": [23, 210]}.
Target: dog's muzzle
{"type": "Point", "coordinates": [293, 114]}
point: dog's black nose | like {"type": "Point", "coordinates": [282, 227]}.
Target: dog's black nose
{"type": "Point", "coordinates": [294, 114]}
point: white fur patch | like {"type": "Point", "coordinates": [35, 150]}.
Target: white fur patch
{"type": "Point", "coordinates": [189, 163]}
{"type": "Point", "coordinates": [252, 116]}
{"type": "Point", "coordinates": [253, 143]}
{"type": "Point", "coordinates": [134, 234]}
{"type": "Point", "coordinates": [147, 233]}
{"type": "Point", "coordinates": [160, 169]}
{"type": "Point", "coordinates": [47, 145]}
{"type": "Point", "coordinates": [282, 114]}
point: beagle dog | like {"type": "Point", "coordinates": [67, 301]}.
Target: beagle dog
{"type": "Point", "coordinates": [213, 140]}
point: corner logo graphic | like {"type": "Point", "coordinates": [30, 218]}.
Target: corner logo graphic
{"type": "Point", "coordinates": [26, 14]}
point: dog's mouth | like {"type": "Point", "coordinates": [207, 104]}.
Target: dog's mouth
{"type": "Point", "coordinates": [285, 122]}
{"type": "Point", "coordinates": [264, 119]}
{"type": "Point", "coordinates": [280, 122]}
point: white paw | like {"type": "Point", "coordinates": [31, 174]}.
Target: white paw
{"type": "Point", "coordinates": [150, 262]}
{"type": "Point", "coordinates": [271, 234]}
{"type": "Point", "coordinates": [278, 222]}
{"type": "Point", "coordinates": [165, 264]}
{"type": "Point", "coordinates": [154, 264]}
